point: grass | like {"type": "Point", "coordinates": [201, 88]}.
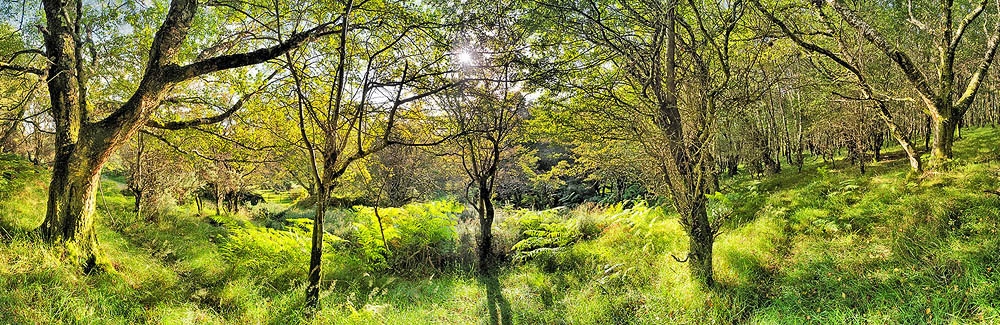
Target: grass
{"type": "Point", "coordinates": [22, 193]}
{"type": "Point", "coordinates": [823, 245]}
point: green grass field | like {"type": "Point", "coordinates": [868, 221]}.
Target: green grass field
{"type": "Point", "coordinates": [819, 246]}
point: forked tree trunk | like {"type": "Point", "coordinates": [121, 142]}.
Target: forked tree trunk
{"type": "Point", "coordinates": [944, 138]}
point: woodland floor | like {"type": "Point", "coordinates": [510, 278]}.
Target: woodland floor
{"type": "Point", "coordinates": [824, 245]}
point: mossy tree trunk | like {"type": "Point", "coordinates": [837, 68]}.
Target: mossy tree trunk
{"type": "Point", "coordinates": [701, 239]}
{"type": "Point", "coordinates": [69, 217]}
{"type": "Point", "coordinates": [944, 136]}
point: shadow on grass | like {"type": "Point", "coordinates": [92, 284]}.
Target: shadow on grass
{"type": "Point", "coordinates": [496, 304]}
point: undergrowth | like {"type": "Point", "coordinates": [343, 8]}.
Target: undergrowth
{"type": "Point", "coordinates": [823, 245]}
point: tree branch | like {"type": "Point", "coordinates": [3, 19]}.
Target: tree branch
{"type": "Point", "coordinates": [22, 69]}
{"type": "Point", "coordinates": [180, 73]}
{"type": "Point", "coordinates": [170, 36]}
{"type": "Point", "coordinates": [913, 74]}
{"type": "Point", "coordinates": [965, 24]}
{"type": "Point", "coordinates": [913, 19]}
{"type": "Point", "coordinates": [984, 68]}
{"type": "Point", "coordinates": [179, 125]}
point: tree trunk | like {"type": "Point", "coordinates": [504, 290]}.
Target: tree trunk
{"type": "Point", "coordinates": [486, 214]}
{"type": "Point", "coordinates": [944, 137]}
{"type": "Point", "coordinates": [800, 146]}
{"type": "Point", "coordinates": [69, 218]}
{"type": "Point", "coordinates": [138, 204]}
{"type": "Point", "coordinates": [958, 128]}
{"type": "Point", "coordinates": [316, 254]}
{"type": "Point", "coordinates": [198, 203]}
{"type": "Point", "coordinates": [218, 200]}
{"type": "Point", "coordinates": [701, 238]}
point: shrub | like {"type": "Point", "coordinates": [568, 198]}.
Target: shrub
{"type": "Point", "coordinates": [416, 236]}
{"type": "Point", "coordinates": [267, 213]}
{"type": "Point", "coordinates": [275, 257]}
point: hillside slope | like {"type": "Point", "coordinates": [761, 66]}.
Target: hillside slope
{"type": "Point", "coordinates": [824, 245]}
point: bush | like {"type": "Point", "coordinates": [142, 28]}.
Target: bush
{"type": "Point", "coordinates": [554, 228]}
{"type": "Point", "coordinates": [269, 214]}
{"type": "Point", "coordinates": [417, 236]}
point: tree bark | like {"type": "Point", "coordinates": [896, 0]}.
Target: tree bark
{"type": "Point", "coordinates": [944, 137]}
{"type": "Point", "coordinates": [701, 239]}
{"type": "Point", "coordinates": [486, 215]}
{"type": "Point", "coordinates": [316, 254]}
{"type": "Point", "coordinates": [69, 218]}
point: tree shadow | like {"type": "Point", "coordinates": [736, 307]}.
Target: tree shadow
{"type": "Point", "coordinates": [496, 304]}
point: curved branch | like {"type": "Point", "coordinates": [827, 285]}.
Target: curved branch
{"type": "Point", "coordinates": [965, 24]}
{"type": "Point", "coordinates": [180, 73]}
{"type": "Point", "coordinates": [180, 125]}
{"type": "Point", "coordinates": [984, 68]}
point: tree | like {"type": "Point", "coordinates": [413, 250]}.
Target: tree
{"type": "Point", "coordinates": [83, 140]}
{"type": "Point", "coordinates": [498, 67]}
{"type": "Point", "coordinates": [488, 115]}
{"type": "Point", "coordinates": [945, 98]}
{"type": "Point", "coordinates": [380, 78]}
{"type": "Point", "coordinates": [656, 73]}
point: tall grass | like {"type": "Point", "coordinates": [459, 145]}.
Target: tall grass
{"type": "Point", "coordinates": [821, 246]}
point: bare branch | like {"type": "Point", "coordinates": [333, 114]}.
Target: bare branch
{"type": "Point", "coordinates": [913, 74]}
{"type": "Point", "coordinates": [179, 125]}
{"type": "Point", "coordinates": [913, 20]}
{"type": "Point", "coordinates": [22, 69]}
{"type": "Point", "coordinates": [965, 24]}
{"type": "Point", "coordinates": [219, 63]}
